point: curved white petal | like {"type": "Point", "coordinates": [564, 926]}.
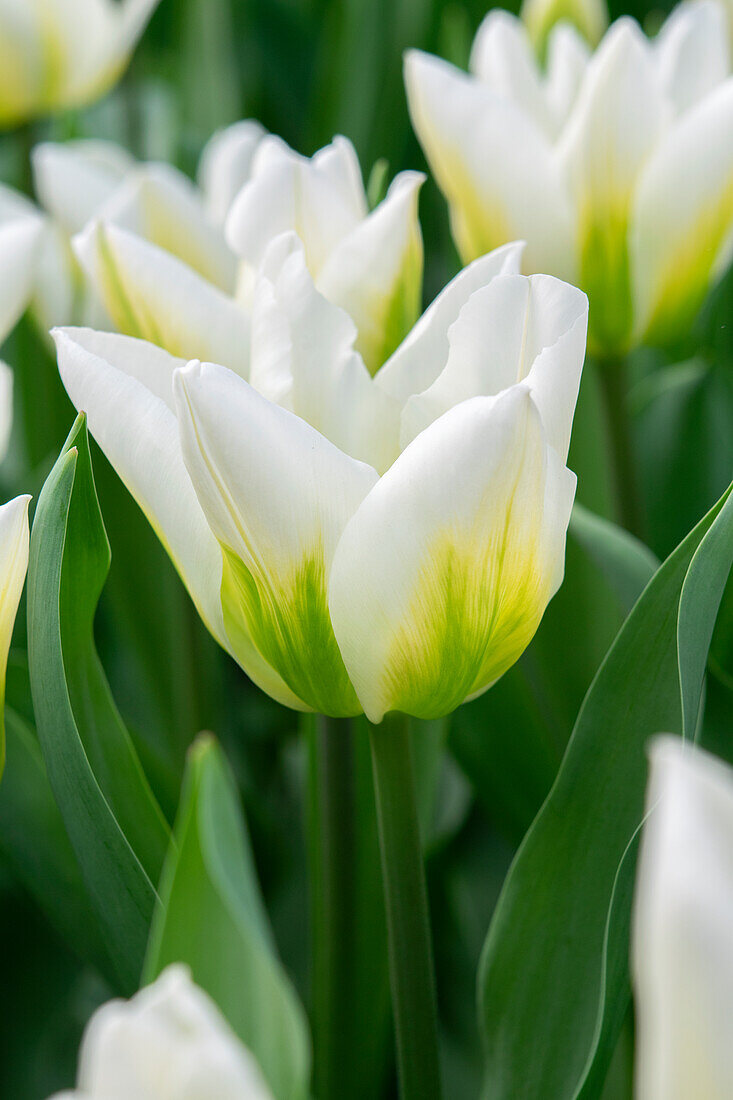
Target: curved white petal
{"type": "Point", "coordinates": [494, 164]}
{"type": "Point", "coordinates": [161, 205]}
{"type": "Point", "coordinates": [99, 53]}
{"type": "Point", "coordinates": [618, 118]}
{"type": "Point", "coordinates": [152, 295]}
{"type": "Point", "coordinates": [277, 495]}
{"type": "Point", "coordinates": [503, 59]}
{"type": "Point", "coordinates": [515, 328]}
{"type": "Point", "coordinates": [420, 358]}
{"type": "Point", "coordinates": [226, 165]}
{"type": "Point", "coordinates": [340, 163]}
{"type": "Point", "coordinates": [14, 540]}
{"type": "Point", "coordinates": [682, 950]}
{"type": "Point", "coordinates": [682, 226]}
{"type": "Point", "coordinates": [692, 51]}
{"type": "Point", "coordinates": [375, 273]}
{"type": "Point", "coordinates": [288, 192]}
{"type": "Point", "coordinates": [303, 358]}
{"type": "Point", "coordinates": [20, 244]}
{"type": "Point", "coordinates": [74, 179]}
{"type": "Point", "coordinates": [125, 388]}
{"type": "Point", "coordinates": [442, 576]}
{"type": "Point", "coordinates": [567, 61]}
{"type": "Point", "coordinates": [169, 1042]}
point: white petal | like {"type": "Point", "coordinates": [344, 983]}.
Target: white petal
{"type": "Point", "coordinates": [618, 118]}
{"type": "Point", "coordinates": [6, 407]}
{"type": "Point", "coordinates": [125, 388]}
{"type": "Point", "coordinates": [288, 192]}
{"type": "Point", "coordinates": [226, 165]}
{"type": "Point", "coordinates": [277, 495]}
{"type": "Point", "coordinates": [375, 273]}
{"type": "Point", "coordinates": [20, 243]}
{"type": "Point", "coordinates": [682, 948]}
{"type": "Point", "coordinates": [303, 358]}
{"type": "Point", "coordinates": [443, 574]}
{"type": "Point", "coordinates": [567, 60]}
{"type": "Point", "coordinates": [74, 179]}
{"type": "Point", "coordinates": [683, 218]}
{"type": "Point", "coordinates": [692, 51]}
{"type": "Point", "coordinates": [150, 294]}
{"type": "Point", "coordinates": [160, 204]}
{"type": "Point", "coordinates": [503, 58]}
{"type": "Point", "coordinates": [101, 51]}
{"type": "Point", "coordinates": [170, 1040]}
{"type": "Point", "coordinates": [515, 328]}
{"type": "Point", "coordinates": [340, 163]}
{"type": "Point", "coordinates": [420, 358]}
{"type": "Point", "coordinates": [494, 164]}
{"type": "Point", "coordinates": [14, 539]}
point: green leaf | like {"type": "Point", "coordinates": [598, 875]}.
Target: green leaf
{"type": "Point", "coordinates": [211, 916]}
{"type": "Point", "coordinates": [34, 841]}
{"type": "Point", "coordinates": [553, 978]}
{"type": "Point", "coordinates": [113, 822]}
{"type": "Point", "coordinates": [626, 563]}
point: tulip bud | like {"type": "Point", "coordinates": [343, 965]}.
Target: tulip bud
{"type": "Point", "coordinates": [589, 17]}
{"type": "Point", "coordinates": [170, 1042]}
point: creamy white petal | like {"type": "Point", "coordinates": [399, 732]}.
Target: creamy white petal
{"type": "Point", "coordinates": [125, 388]}
{"type": "Point", "coordinates": [341, 164]}
{"type": "Point", "coordinates": [692, 51]}
{"type": "Point", "coordinates": [682, 948]}
{"type": "Point", "coordinates": [567, 60]}
{"type": "Point", "coordinates": [618, 118]}
{"type": "Point", "coordinates": [20, 244]}
{"type": "Point", "coordinates": [442, 576]}
{"type": "Point", "coordinates": [504, 59]}
{"type": "Point", "coordinates": [420, 358]}
{"type": "Point", "coordinates": [303, 358]}
{"type": "Point", "coordinates": [226, 165]}
{"type": "Point", "coordinates": [277, 495]}
{"type": "Point", "coordinates": [74, 179]}
{"type": "Point", "coordinates": [682, 225]}
{"type": "Point", "coordinates": [494, 164]}
{"type": "Point", "coordinates": [169, 1042]}
{"type": "Point", "coordinates": [160, 204]}
{"type": "Point", "coordinates": [515, 328]}
{"type": "Point", "coordinates": [14, 541]}
{"type": "Point", "coordinates": [151, 294]}
{"type": "Point", "coordinates": [99, 54]}
{"type": "Point", "coordinates": [375, 273]}
{"type": "Point", "coordinates": [289, 192]}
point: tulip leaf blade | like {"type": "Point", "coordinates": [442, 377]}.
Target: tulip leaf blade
{"type": "Point", "coordinates": [625, 562]}
{"type": "Point", "coordinates": [211, 916]}
{"type": "Point", "coordinates": [113, 823]}
{"type": "Point", "coordinates": [554, 972]}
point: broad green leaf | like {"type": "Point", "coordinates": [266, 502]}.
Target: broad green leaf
{"type": "Point", "coordinates": [114, 825]}
{"type": "Point", "coordinates": [553, 978]}
{"type": "Point", "coordinates": [626, 563]}
{"type": "Point", "coordinates": [211, 916]}
{"type": "Point", "coordinates": [34, 841]}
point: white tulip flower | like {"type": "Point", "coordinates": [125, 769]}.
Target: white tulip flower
{"type": "Point", "coordinates": [169, 1042]}
{"type": "Point", "coordinates": [368, 262]}
{"type": "Point", "coordinates": [355, 542]}
{"type": "Point", "coordinates": [61, 54]}
{"type": "Point", "coordinates": [683, 929]}
{"type": "Point", "coordinates": [617, 168]}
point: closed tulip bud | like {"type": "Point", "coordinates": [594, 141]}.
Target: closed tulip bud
{"type": "Point", "coordinates": [170, 1042]}
{"type": "Point", "coordinates": [59, 54]}
{"type": "Point", "coordinates": [617, 168]}
{"type": "Point", "coordinates": [358, 543]}
{"type": "Point", "coordinates": [588, 17]}
{"type": "Point", "coordinates": [682, 948]}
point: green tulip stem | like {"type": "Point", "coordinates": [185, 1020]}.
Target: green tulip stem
{"type": "Point", "coordinates": [408, 926]}
{"type": "Point", "coordinates": [333, 906]}
{"type": "Point", "coordinates": [613, 374]}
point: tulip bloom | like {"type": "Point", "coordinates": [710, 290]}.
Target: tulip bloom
{"type": "Point", "coordinates": [617, 169]}
{"type": "Point", "coordinates": [170, 1042]}
{"type": "Point", "coordinates": [60, 54]}
{"type": "Point", "coordinates": [682, 949]}
{"type": "Point", "coordinates": [357, 543]}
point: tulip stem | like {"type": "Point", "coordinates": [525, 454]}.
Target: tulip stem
{"type": "Point", "coordinates": [333, 904]}
{"type": "Point", "coordinates": [613, 373]}
{"type": "Point", "coordinates": [408, 926]}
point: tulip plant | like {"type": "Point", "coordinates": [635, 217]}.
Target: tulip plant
{"type": "Point", "coordinates": [368, 636]}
